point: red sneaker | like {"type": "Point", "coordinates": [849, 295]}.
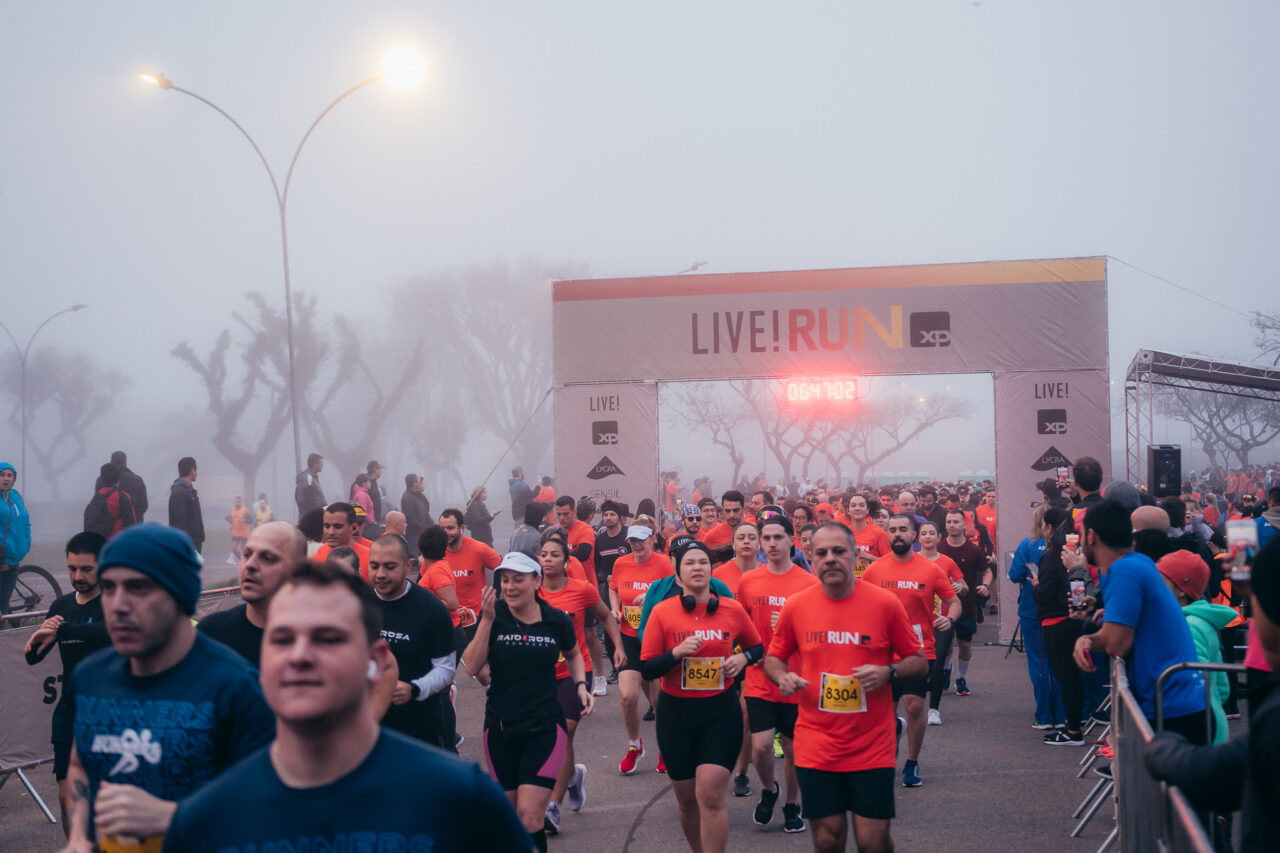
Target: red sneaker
{"type": "Point", "coordinates": [628, 764]}
{"type": "Point", "coordinates": [662, 765]}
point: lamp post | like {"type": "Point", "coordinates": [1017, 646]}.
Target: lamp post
{"type": "Point", "coordinates": [404, 68]}
{"type": "Point", "coordinates": [23, 353]}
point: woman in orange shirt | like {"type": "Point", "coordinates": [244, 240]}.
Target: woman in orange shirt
{"type": "Point", "coordinates": [688, 644]}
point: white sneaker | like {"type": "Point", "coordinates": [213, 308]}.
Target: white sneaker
{"type": "Point", "coordinates": [577, 790]}
{"type": "Point", "coordinates": [935, 719]}
{"type": "Point", "coordinates": [601, 687]}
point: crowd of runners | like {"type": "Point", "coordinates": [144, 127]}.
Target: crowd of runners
{"type": "Point", "coordinates": [790, 647]}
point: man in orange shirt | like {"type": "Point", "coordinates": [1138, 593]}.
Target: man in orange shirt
{"type": "Point", "coordinates": [762, 593]}
{"type": "Point", "coordinates": [843, 638]}
{"type": "Point", "coordinates": [709, 518]}
{"type": "Point", "coordinates": [720, 538]}
{"type": "Point", "coordinates": [241, 523]}
{"type": "Point", "coordinates": [872, 541]}
{"type": "Point", "coordinates": [985, 512]}
{"type": "Point", "coordinates": [915, 580]}
{"type": "Point", "coordinates": [468, 560]}
{"type": "Point", "coordinates": [340, 532]}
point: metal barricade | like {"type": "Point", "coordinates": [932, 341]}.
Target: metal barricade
{"type": "Point", "coordinates": [1150, 815]}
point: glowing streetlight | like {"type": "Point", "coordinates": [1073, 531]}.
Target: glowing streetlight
{"type": "Point", "coordinates": [403, 67]}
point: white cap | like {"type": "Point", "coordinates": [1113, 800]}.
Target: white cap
{"type": "Point", "coordinates": [639, 531]}
{"type": "Point", "coordinates": [518, 561]}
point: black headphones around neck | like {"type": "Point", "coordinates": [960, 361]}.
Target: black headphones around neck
{"type": "Point", "coordinates": [688, 602]}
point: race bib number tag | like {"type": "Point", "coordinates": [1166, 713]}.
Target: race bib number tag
{"type": "Point", "coordinates": [860, 568]}
{"type": "Point", "coordinates": [919, 631]}
{"type": "Point", "coordinates": [702, 673]}
{"type": "Point", "coordinates": [632, 615]}
{"type": "Point", "coordinates": [466, 617]}
{"type": "Point", "coordinates": [127, 844]}
{"type": "Point", "coordinates": [841, 694]}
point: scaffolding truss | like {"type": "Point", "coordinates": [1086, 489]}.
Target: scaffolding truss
{"type": "Point", "coordinates": [1151, 369]}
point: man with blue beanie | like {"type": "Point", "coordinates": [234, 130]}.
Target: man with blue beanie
{"type": "Point", "coordinates": [165, 709]}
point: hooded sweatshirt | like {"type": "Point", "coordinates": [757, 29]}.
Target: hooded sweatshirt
{"type": "Point", "coordinates": [1205, 621]}
{"type": "Point", "coordinates": [1270, 519]}
{"type": "Point", "coordinates": [15, 523]}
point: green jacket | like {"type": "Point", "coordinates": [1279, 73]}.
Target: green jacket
{"type": "Point", "coordinates": [1205, 621]}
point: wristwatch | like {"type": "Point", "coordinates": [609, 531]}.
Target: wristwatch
{"type": "Point", "coordinates": [414, 690]}
{"type": "Point", "coordinates": [893, 673]}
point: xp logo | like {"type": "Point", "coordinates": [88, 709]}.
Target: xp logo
{"type": "Point", "coordinates": [604, 432]}
{"type": "Point", "coordinates": [1051, 421]}
{"type": "Point", "coordinates": [604, 468]}
{"type": "Point", "coordinates": [931, 329]}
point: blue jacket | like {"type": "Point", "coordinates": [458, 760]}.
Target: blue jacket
{"type": "Point", "coordinates": [1029, 550]}
{"type": "Point", "coordinates": [15, 523]}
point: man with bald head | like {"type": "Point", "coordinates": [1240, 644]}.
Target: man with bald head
{"type": "Point", "coordinates": [270, 553]}
{"type": "Point", "coordinates": [397, 523]}
{"type": "Point", "coordinates": [1151, 531]}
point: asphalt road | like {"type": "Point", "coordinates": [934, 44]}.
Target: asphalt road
{"type": "Point", "coordinates": [989, 783]}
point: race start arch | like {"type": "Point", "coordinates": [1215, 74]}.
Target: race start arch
{"type": "Point", "coordinates": [1038, 327]}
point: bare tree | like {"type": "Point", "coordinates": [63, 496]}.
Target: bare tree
{"type": "Point", "coordinates": [880, 428]}
{"type": "Point", "coordinates": [698, 406]}
{"type": "Point", "coordinates": [1268, 338]}
{"type": "Point", "coordinates": [250, 406]}
{"type": "Point", "coordinates": [65, 395]}
{"type": "Point", "coordinates": [1223, 423]}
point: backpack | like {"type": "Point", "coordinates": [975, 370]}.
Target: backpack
{"type": "Point", "coordinates": [97, 515]}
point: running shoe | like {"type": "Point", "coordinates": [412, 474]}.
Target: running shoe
{"type": "Point", "coordinates": [741, 785]}
{"type": "Point", "coordinates": [577, 789]}
{"type": "Point", "coordinates": [457, 739]}
{"type": "Point", "coordinates": [1103, 770]}
{"type": "Point", "coordinates": [649, 716]}
{"type": "Point", "coordinates": [551, 823]}
{"type": "Point", "coordinates": [962, 687]}
{"type": "Point", "coordinates": [1101, 716]}
{"type": "Point", "coordinates": [1064, 738]}
{"type": "Point", "coordinates": [791, 821]}
{"type": "Point", "coordinates": [902, 724]}
{"type": "Point", "coordinates": [1042, 726]}
{"type": "Point", "coordinates": [662, 765]}
{"type": "Point", "coordinates": [628, 764]}
{"type": "Point", "coordinates": [911, 775]}
{"type": "Point", "coordinates": [1106, 752]}
{"type": "Point", "coordinates": [777, 745]}
{"type": "Point", "coordinates": [612, 678]}
{"type": "Point", "coordinates": [935, 718]}
{"type": "Point", "coordinates": [1234, 715]}
{"type": "Point", "coordinates": [601, 687]}
{"type": "Point", "coordinates": [764, 809]}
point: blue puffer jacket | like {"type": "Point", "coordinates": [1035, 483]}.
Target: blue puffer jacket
{"type": "Point", "coordinates": [15, 523]}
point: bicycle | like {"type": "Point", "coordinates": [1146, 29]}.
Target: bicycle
{"type": "Point", "coordinates": [34, 590]}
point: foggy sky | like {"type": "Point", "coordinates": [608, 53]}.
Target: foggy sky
{"type": "Point", "coordinates": [634, 139]}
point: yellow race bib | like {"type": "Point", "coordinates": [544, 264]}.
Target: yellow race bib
{"type": "Point", "coordinates": [841, 694]}
{"type": "Point", "coordinates": [702, 673]}
{"type": "Point", "coordinates": [860, 568]}
{"type": "Point", "coordinates": [631, 613]}
{"type": "Point", "coordinates": [126, 844]}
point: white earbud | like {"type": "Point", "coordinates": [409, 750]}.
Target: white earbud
{"type": "Point", "coordinates": [372, 672]}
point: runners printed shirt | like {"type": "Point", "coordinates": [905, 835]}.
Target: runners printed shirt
{"type": "Point", "coordinates": [381, 805]}
{"type": "Point", "coordinates": [953, 573]}
{"type": "Point", "coordinates": [730, 575]}
{"type": "Point", "coordinates": [876, 544]}
{"type": "Point", "coordinates": [762, 594]}
{"type": "Point", "coordinates": [608, 550]}
{"type": "Point", "coordinates": [582, 534]}
{"type": "Point", "coordinates": [631, 580]}
{"type": "Point", "coordinates": [840, 727]}
{"type": "Point", "coordinates": [170, 733]}
{"type": "Point", "coordinates": [233, 629]}
{"type": "Point", "coordinates": [436, 577]}
{"type": "Point", "coordinates": [522, 663]}
{"type": "Point", "coordinates": [702, 673]}
{"type": "Point", "coordinates": [915, 583]}
{"type": "Point", "coordinates": [417, 627]}
{"type": "Point", "coordinates": [972, 563]}
{"type": "Point", "coordinates": [468, 564]}
{"type": "Point", "coordinates": [574, 600]}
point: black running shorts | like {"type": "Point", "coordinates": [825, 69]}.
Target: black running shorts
{"type": "Point", "coordinates": [567, 694]}
{"type": "Point", "coordinates": [966, 628]}
{"type": "Point", "coordinates": [765, 716]}
{"type": "Point", "coordinates": [525, 758]}
{"type": "Point", "coordinates": [631, 647]}
{"type": "Point", "coordinates": [866, 793]}
{"type": "Point", "coordinates": [705, 730]}
{"type": "Point", "coordinates": [914, 687]}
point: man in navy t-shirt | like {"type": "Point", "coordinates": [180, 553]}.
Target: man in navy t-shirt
{"type": "Point", "coordinates": [332, 779]}
{"type": "Point", "coordinates": [165, 709]}
{"type": "Point", "coordinates": [1141, 616]}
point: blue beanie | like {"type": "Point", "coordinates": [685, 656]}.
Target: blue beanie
{"type": "Point", "coordinates": [164, 554]}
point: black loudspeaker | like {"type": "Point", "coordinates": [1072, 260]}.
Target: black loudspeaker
{"type": "Point", "coordinates": [1164, 470]}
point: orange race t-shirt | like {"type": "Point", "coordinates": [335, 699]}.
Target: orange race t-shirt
{"type": "Point", "coordinates": [953, 573]}
{"type": "Point", "coordinates": [240, 522]}
{"type": "Point", "coordinates": [436, 577]}
{"type": "Point", "coordinates": [575, 598]}
{"type": "Point", "coordinates": [915, 583]}
{"type": "Point", "coordinates": [874, 539]}
{"type": "Point", "coordinates": [701, 673]}
{"type": "Point", "coordinates": [582, 534]}
{"type": "Point", "coordinates": [730, 575]}
{"type": "Point", "coordinates": [841, 728]}
{"type": "Point", "coordinates": [718, 536]}
{"type": "Point", "coordinates": [362, 551]}
{"type": "Point", "coordinates": [631, 580]}
{"type": "Point", "coordinates": [673, 495]}
{"type": "Point", "coordinates": [762, 594]}
{"type": "Point", "coordinates": [468, 564]}
{"type": "Point", "coordinates": [986, 516]}
{"type": "Point", "coordinates": [575, 570]}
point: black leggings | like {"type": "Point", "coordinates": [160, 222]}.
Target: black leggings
{"type": "Point", "coordinates": [942, 648]}
{"type": "Point", "coordinates": [1059, 645]}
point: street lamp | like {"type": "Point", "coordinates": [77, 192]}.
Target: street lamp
{"type": "Point", "coordinates": [402, 67]}
{"type": "Point", "coordinates": [23, 353]}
